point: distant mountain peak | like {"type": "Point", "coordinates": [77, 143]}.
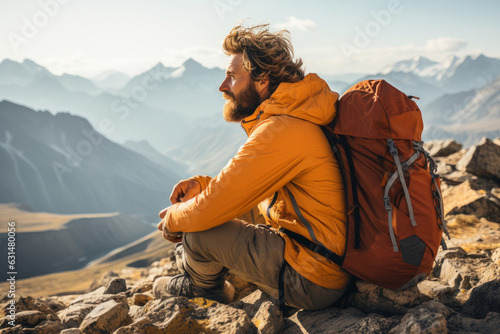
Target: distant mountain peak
{"type": "Point", "coordinates": [191, 63]}
{"type": "Point", "coordinates": [34, 66]}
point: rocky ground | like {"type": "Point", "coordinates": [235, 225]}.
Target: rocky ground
{"type": "Point", "coordinates": [462, 294]}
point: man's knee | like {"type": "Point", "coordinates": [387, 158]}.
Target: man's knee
{"type": "Point", "coordinates": [205, 240]}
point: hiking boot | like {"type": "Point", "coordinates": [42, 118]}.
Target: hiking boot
{"type": "Point", "coordinates": [181, 285]}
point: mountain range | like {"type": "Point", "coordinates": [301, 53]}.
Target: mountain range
{"type": "Point", "coordinates": [60, 163]}
{"type": "Point", "coordinates": [177, 109]}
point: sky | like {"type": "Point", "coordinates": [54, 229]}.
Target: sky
{"type": "Point", "coordinates": [87, 37]}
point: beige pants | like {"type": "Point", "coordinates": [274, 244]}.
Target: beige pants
{"type": "Point", "coordinates": [253, 253]}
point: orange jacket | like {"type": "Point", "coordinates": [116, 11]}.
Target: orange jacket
{"type": "Point", "coordinates": [286, 152]}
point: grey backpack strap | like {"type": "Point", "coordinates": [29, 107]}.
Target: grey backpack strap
{"type": "Point", "coordinates": [394, 152]}
{"type": "Point", "coordinates": [388, 208]}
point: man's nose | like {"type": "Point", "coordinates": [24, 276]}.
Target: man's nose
{"type": "Point", "coordinates": [224, 87]}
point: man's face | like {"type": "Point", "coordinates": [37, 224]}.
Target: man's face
{"type": "Point", "coordinates": [238, 89]}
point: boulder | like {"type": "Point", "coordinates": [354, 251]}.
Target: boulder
{"type": "Point", "coordinates": [25, 318]}
{"type": "Point", "coordinates": [107, 277]}
{"type": "Point", "coordinates": [429, 317]}
{"type": "Point", "coordinates": [442, 147]}
{"type": "Point", "coordinates": [482, 160]}
{"type": "Point", "coordinates": [268, 318]}
{"type": "Point", "coordinates": [335, 320]}
{"type": "Point", "coordinates": [483, 299]}
{"type": "Point", "coordinates": [455, 274]}
{"type": "Point", "coordinates": [83, 305]}
{"type": "Point", "coordinates": [140, 288]}
{"type": "Point", "coordinates": [372, 298]}
{"type": "Point", "coordinates": [115, 286]}
{"type": "Point", "coordinates": [458, 323]}
{"type": "Point", "coordinates": [181, 315]}
{"type": "Point", "coordinates": [263, 310]}
{"type": "Point", "coordinates": [471, 198]}
{"type": "Point", "coordinates": [47, 327]}
{"type": "Point", "coordinates": [29, 303]}
{"type": "Point", "coordinates": [105, 318]}
{"type": "Point", "coordinates": [438, 291]}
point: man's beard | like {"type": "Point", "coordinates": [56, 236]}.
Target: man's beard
{"type": "Point", "coordinates": [238, 108]}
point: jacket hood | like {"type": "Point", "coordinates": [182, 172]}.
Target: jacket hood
{"type": "Point", "coordinates": [309, 99]}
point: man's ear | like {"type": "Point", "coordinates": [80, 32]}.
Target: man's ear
{"type": "Point", "coordinates": [262, 87]}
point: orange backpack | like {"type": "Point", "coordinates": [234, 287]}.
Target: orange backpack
{"type": "Point", "coordinates": [393, 197]}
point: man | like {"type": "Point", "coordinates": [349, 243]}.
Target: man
{"type": "Point", "coordinates": [286, 167]}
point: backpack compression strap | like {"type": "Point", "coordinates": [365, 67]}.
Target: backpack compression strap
{"type": "Point", "coordinates": [387, 202]}
{"type": "Point", "coordinates": [321, 250]}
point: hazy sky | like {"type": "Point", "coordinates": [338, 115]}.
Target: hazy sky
{"type": "Point", "coordinates": [87, 37]}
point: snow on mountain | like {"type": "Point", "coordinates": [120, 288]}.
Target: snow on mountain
{"type": "Point", "coordinates": [421, 66]}
{"type": "Point", "coordinates": [454, 74]}
{"type": "Point", "coordinates": [466, 116]}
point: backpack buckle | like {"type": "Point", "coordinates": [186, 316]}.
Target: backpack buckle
{"type": "Point", "coordinates": [392, 147]}
{"type": "Point", "coordinates": [387, 203]}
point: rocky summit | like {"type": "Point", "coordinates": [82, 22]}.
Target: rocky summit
{"type": "Point", "coordinates": [461, 295]}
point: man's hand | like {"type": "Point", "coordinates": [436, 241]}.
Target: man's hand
{"type": "Point", "coordinates": [174, 237]}
{"type": "Point", "coordinates": [184, 191]}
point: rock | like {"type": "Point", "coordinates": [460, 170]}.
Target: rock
{"type": "Point", "coordinates": [116, 285]}
{"type": "Point", "coordinates": [12, 330]}
{"type": "Point", "coordinates": [140, 288]}
{"type": "Point", "coordinates": [495, 257]}
{"type": "Point", "coordinates": [29, 304]}
{"type": "Point", "coordinates": [482, 160]}
{"type": "Point", "coordinates": [442, 167]}
{"type": "Point", "coordinates": [372, 298]}
{"type": "Point", "coordinates": [56, 304]}
{"type": "Point", "coordinates": [28, 318]}
{"type": "Point", "coordinates": [335, 320]}
{"type": "Point", "coordinates": [469, 198]}
{"type": "Point", "coordinates": [263, 310]}
{"type": "Point", "coordinates": [268, 318]}
{"type": "Point", "coordinates": [459, 324]}
{"type": "Point", "coordinates": [251, 303]}
{"type": "Point", "coordinates": [47, 327]}
{"type": "Point", "coordinates": [473, 235]}
{"type": "Point", "coordinates": [103, 281]}
{"type": "Point", "coordinates": [71, 331]}
{"type": "Point", "coordinates": [451, 253]}
{"type": "Point", "coordinates": [455, 274]}
{"type": "Point", "coordinates": [141, 299]}
{"type": "Point", "coordinates": [455, 177]}
{"type": "Point", "coordinates": [483, 299]}
{"type": "Point", "coordinates": [441, 292]}
{"type": "Point", "coordinates": [134, 312]}
{"type": "Point", "coordinates": [105, 318]}
{"type": "Point", "coordinates": [452, 159]}
{"type": "Point", "coordinates": [180, 315]}
{"type": "Point", "coordinates": [429, 317]}
{"type": "Point", "coordinates": [83, 305]}
{"type": "Point", "coordinates": [442, 147]}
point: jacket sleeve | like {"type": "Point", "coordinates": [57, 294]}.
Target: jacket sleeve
{"type": "Point", "coordinates": [203, 180]}
{"type": "Point", "coordinates": [272, 156]}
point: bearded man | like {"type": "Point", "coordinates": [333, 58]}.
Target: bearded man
{"type": "Point", "coordinates": [286, 167]}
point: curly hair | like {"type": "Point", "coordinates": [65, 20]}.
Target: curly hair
{"type": "Point", "coordinates": [265, 54]}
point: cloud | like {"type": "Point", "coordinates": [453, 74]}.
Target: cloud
{"type": "Point", "coordinates": [444, 44]}
{"type": "Point", "coordinates": [294, 23]}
